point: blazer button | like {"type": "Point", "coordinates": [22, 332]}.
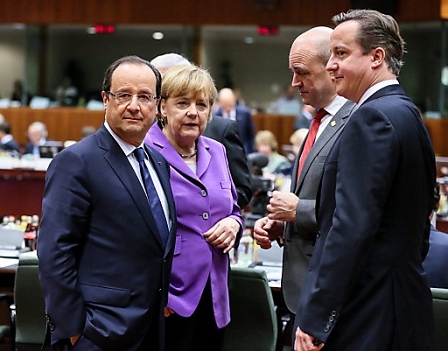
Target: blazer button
{"type": "Point", "coordinates": [333, 313]}
{"type": "Point", "coordinates": [326, 329]}
{"type": "Point", "coordinates": [205, 215]}
{"type": "Point", "coordinates": [318, 234]}
{"type": "Point", "coordinates": [203, 193]}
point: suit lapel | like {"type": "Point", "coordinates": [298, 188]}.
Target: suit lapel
{"type": "Point", "coordinates": [163, 145]}
{"type": "Point", "coordinates": [121, 167]}
{"type": "Point", "coordinates": [337, 122]}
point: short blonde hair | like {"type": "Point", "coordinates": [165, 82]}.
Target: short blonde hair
{"type": "Point", "coordinates": [183, 80]}
{"type": "Point", "coordinates": [298, 136]}
{"type": "Point", "coordinates": [268, 138]}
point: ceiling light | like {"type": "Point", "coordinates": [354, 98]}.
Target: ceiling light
{"type": "Point", "coordinates": [248, 40]}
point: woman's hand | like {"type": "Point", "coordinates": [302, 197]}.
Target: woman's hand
{"type": "Point", "coordinates": [223, 234]}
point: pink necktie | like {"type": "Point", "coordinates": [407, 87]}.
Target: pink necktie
{"type": "Point", "coordinates": [311, 138]}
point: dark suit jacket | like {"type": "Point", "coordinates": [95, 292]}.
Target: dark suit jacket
{"type": "Point", "coordinates": [245, 126]}
{"type": "Point", "coordinates": [11, 145]}
{"type": "Point", "coordinates": [103, 267]}
{"type": "Point", "coordinates": [301, 121]}
{"type": "Point", "coordinates": [365, 288]}
{"type": "Point", "coordinates": [226, 132]}
{"type": "Point", "coordinates": [29, 147]}
{"type": "Point", "coordinates": [436, 262]}
{"type": "Point", "coordinates": [301, 234]}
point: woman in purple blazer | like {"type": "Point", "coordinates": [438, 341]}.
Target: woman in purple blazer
{"type": "Point", "coordinates": [209, 220]}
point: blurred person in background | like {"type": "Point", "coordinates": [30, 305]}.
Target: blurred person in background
{"type": "Point", "coordinates": [266, 143]}
{"type": "Point", "coordinates": [209, 222]}
{"type": "Point", "coordinates": [37, 135]}
{"type": "Point", "coordinates": [296, 139]}
{"type": "Point", "coordinates": [7, 142]}
{"type": "Point", "coordinates": [87, 131]}
{"type": "Point", "coordinates": [67, 93]}
{"type": "Point", "coordinates": [289, 103]}
{"type": "Point", "coordinates": [241, 114]}
{"type": "Point", "coordinates": [304, 118]}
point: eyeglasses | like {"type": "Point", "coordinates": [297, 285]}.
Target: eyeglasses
{"type": "Point", "coordinates": [126, 98]}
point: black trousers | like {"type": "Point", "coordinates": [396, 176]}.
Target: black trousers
{"type": "Point", "coordinates": [196, 333]}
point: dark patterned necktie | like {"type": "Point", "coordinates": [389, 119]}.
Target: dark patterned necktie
{"type": "Point", "coordinates": [153, 197]}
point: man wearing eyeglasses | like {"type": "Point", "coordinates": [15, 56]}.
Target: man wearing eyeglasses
{"type": "Point", "coordinates": [108, 225]}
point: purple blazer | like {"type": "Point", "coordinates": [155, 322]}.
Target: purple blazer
{"type": "Point", "coordinates": [202, 199]}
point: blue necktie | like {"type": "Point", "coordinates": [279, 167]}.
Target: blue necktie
{"type": "Point", "coordinates": [153, 197]}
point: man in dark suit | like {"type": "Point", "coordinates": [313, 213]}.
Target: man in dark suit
{"type": "Point", "coordinates": [104, 264]}
{"type": "Point", "coordinates": [241, 114]}
{"type": "Point", "coordinates": [365, 288]}
{"type": "Point", "coordinates": [220, 129]}
{"type": "Point", "coordinates": [297, 209]}
{"type": "Point", "coordinates": [226, 132]}
{"type": "Point", "coordinates": [436, 262]}
{"type": "Point", "coordinates": [7, 141]}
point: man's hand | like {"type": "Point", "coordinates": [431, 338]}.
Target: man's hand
{"type": "Point", "coordinates": [282, 206]}
{"type": "Point", "coordinates": [266, 231]}
{"type": "Point", "coordinates": [306, 342]}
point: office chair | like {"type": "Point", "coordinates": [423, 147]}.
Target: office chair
{"type": "Point", "coordinates": [440, 305]}
{"type": "Point", "coordinates": [6, 330]}
{"type": "Point", "coordinates": [29, 302]}
{"type": "Point", "coordinates": [253, 325]}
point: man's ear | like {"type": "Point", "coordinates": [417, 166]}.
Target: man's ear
{"type": "Point", "coordinates": [378, 57]}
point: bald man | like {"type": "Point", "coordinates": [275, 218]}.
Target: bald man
{"type": "Point", "coordinates": [292, 215]}
{"type": "Point", "coordinates": [241, 114]}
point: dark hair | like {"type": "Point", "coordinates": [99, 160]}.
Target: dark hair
{"type": "Point", "coordinates": [377, 30]}
{"type": "Point", "coordinates": [107, 82]}
{"type": "Point", "coordinates": [4, 127]}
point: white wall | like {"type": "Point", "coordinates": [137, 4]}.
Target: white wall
{"type": "Point", "coordinates": [12, 59]}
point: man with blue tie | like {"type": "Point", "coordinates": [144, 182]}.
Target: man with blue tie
{"type": "Point", "coordinates": [105, 247]}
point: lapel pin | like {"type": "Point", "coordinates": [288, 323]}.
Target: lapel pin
{"type": "Point", "coordinates": [333, 123]}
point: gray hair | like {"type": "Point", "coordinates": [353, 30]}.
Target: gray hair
{"type": "Point", "coordinates": [169, 60]}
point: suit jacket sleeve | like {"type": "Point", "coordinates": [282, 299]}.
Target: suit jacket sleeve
{"type": "Point", "coordinates": [64, 216]}
{"type": "Point", "coordinates": [238, 164]}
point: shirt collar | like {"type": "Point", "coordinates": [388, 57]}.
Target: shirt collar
{"type": "Point", "coordinates": [374, 88]}
{"type": "Point", "coordinates": [126, 147]}
{"type": "Point", "coordinates": [335, 105]}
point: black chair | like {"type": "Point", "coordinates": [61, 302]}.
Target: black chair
{"type": "Point", "coordinates": [440, 305]}
{"type": "Point", "coordinates": [6, 330]}
{"type": "Point", "coordinates": [30, 322]}
{"type": "Point", "coordinates": [254, 322]}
